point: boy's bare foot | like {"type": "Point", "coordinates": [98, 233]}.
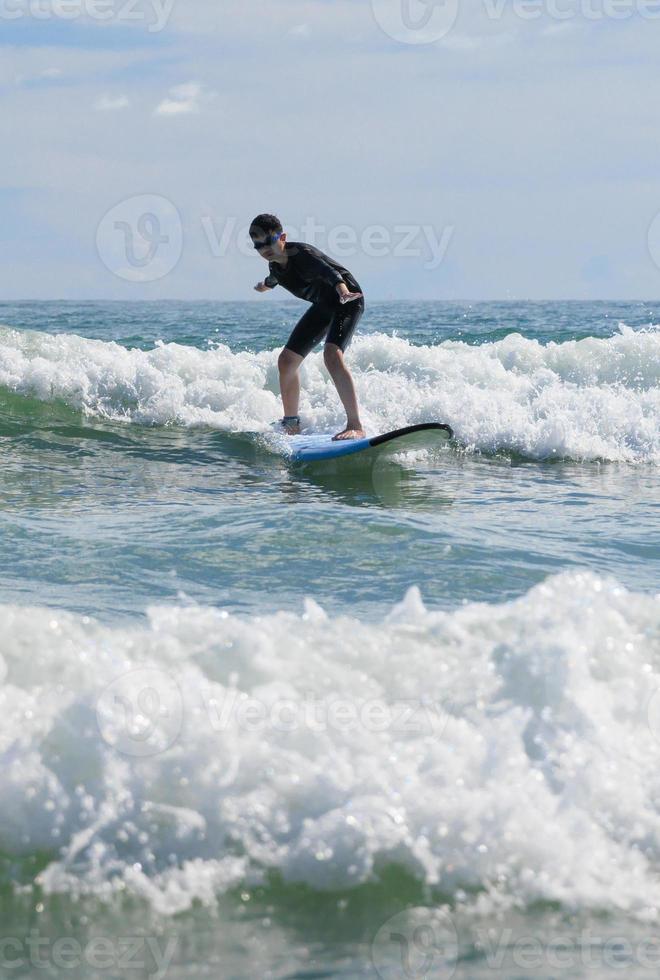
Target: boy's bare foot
{"type": "Point", "coordinates": [349, 434]}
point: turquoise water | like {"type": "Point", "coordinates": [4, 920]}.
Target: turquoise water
{"type": "Point", "coordinates": [165, 570]}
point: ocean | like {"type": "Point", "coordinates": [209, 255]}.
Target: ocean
{"type": "Point", "coordinates": [389, 720]}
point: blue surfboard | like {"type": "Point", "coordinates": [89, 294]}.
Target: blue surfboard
{"type": "Point", "coordinates": [311, 448]}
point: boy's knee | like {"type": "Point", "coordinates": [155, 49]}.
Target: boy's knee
{"type": "Point", "coordinates": [287, 362]}
{"type": "Point", "coordinates": [332, 356]}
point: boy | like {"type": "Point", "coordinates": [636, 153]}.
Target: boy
{"type": "Point", "coordinates": [337, 305]}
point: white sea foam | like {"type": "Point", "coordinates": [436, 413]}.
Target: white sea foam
{"type": "Point", "coordinates": [586, 399]}
{"type": "Point", "coordinates": [511, 748]}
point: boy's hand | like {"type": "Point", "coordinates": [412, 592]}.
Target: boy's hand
{"type": "Point", "coordinates": [261, 287]}
{"type": "Point", "coordinates": [345, 295]}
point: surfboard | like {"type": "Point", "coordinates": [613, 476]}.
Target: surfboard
{"type": "Point", "coordinates": [311, 448]}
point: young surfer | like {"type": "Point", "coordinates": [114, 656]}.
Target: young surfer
{"type": "Point", "coordinates": [337, 305]}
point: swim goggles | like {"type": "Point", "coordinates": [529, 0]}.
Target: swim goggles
{"type": "Point", "coordinates": [270, 240]}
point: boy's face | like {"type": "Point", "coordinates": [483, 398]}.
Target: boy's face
{"type": "Point", "coordinates": [269, 244]}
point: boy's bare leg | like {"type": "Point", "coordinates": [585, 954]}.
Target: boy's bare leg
{"type": "Point", "coordinates": [334, 361]}
{"type": "Point", "coordinates": [288, 364]}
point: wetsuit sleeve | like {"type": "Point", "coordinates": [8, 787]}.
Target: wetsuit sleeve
{"type": "Point", "coordinates": [271, 281]}
{"type": "Point", "coordinates": [310, 266]}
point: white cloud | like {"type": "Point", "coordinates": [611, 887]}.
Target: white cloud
{"type": "Point", "coordinates": [44, 75]}
{"type": "Point", "coordinates": [108, 104]}
{"type": "Point", "coordinates": [181, 99]}
{"type": "Point", "coordinates": [22, 65]}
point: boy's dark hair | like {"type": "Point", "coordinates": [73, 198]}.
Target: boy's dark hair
{"type": "Point", "coordinates": [266, 224]}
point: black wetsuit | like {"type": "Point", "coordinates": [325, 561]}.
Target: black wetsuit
{"type": "Point", "coordinates": [313, 276]}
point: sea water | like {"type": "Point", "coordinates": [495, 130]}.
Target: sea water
{"type": "Point", "coordinates": [393, 719]}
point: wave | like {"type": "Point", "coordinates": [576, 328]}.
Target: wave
{"type": "Point", "coordinates": [590, 399]}
{"type": "Point", "coordinates": [512, 750]}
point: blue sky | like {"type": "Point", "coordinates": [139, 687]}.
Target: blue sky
{"type": "Point", "coordinates": [511, 153]}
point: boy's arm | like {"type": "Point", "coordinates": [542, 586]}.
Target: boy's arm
{"type": "Point", "coordinates": [310, 266]}
{"type": "Point", "coordinates": [270, 282]}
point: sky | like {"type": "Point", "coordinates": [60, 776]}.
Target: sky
{"type": "Point", "coordinates": [441, 149]}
